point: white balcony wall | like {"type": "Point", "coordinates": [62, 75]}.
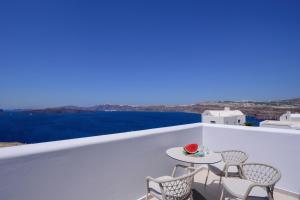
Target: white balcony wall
{"type": "Point", "coordinates": [110, 167]}
{"type": "Point", "coordinates": [114, 166]}
{"type": "Point", "coordinates": [278, 147]}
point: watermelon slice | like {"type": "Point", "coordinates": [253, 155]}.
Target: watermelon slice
{"type": "Point", "coordinates": [191, 148]}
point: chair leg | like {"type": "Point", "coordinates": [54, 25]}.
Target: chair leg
{"type": "Point", "coordinates": [191, 197]}
{"type": "Point", "coordinates": [147, 193]}
{"type": "Point", "coordinates": [270, 193]}
{"type": "Point", "coordinates": [270, 196]}
{"type": "Point", "coordinates": [220, 181]}
{"type": "Point", "coordinates": [222, 194]}
{"type": "Point", "coordinates": [207, 176]}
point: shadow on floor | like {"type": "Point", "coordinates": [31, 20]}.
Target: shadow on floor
{"type": "Point", "coordinates": [198, 196]}
{"type": "Point", "coordinates": [210, 192]}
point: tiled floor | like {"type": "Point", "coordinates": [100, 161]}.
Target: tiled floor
{"type": "Point", "coordinates": [213, 189]}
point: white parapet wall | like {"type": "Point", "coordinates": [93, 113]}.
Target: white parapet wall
{"type": "Point", "coordinates": [114, 167]}
{"type": "Point", "coordinates": [110, 167]}
{"type": "Point", "coordinates": [277, 147]}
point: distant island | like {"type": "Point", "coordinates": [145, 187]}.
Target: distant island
{"type": "Point", "coordinates": [259, 109]}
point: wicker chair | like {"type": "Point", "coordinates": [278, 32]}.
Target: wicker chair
{"type": "Point", "coordinates": [257, 182]}
{"type": "Point", "coordinates": [232, 159]}
{"type": "Point", "coordinates": [171, 187]}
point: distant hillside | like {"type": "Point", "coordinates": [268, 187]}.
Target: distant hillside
{"type": "Point", "coordinates": [260, 110]}
{"type": "Point", "coordinates": [295, 102]}
{"type": "Point", "coordinates": [9, 144]}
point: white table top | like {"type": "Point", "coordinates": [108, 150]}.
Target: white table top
{"type": "Point", "coordinates": [177, 153]}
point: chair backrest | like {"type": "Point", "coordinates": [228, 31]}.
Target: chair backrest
{"type": "Point", "coordinates": [261, 173]}
{"type": "Point", "coordinates": [178, 188]}
{"type": "Point", "coordinates": [234, 156]}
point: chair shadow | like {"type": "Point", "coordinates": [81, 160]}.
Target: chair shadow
{"type": "Point", "coordinates": [211, 191]}
{"type": "Point", "coordinates": [198, 196]}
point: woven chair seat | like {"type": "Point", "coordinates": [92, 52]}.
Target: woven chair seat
{"type": "Point", "coordinates": [257, 182]}
{"type": "Point", "coordinates": [238, 187]}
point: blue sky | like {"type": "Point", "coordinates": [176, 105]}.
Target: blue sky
{"type": "Point", "coordinates": [56, 53]}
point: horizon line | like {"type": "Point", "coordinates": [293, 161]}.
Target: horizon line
{"type": "Point", "coordinates": [145, 105]}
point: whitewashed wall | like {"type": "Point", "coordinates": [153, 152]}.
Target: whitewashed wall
{"type": "Point", "coordinates": [114, 166]}
{"type": "Point", "coordinates": [278, 147]}
{"type": "Point", "coordinates": [111, 167]}
{"type": "Point", "coordinates": [208, 119]}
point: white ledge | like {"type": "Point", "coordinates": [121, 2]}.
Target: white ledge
{"type": "Point", "coordinates": [253, 128]}
{"type": "Point", "coordinates": [44, 147]}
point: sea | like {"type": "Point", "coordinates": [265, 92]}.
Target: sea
{"type": "Point", "coordinates": [28, 128]}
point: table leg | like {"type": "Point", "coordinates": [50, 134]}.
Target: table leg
{"type": "Point", "coordinates": [193, 186]}
{"type": "Point", "coordinates": [193, 165]}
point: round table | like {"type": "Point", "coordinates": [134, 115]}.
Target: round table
{"type": "Point", "coordinates": [177, 153]}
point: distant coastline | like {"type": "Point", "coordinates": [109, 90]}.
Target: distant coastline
{"type": "Point", "coordinates": [259, 109]}
{"type": "Point", "coordinates": [9, 144]}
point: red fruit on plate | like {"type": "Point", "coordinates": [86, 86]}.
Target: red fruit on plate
{"type": "Point", "coordinates": [191, 148]}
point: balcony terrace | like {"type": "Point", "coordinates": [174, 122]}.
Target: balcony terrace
{"type": "Point", "coordinates": [113, 167]}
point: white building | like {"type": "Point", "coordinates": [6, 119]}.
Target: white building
{"type": "Point", "coordinates": [280, 124]}
{"type": "Point", "coordinates": [287, 121]}
{"type": "Point", "coordinates": [288, 116]}
{"type": "Point", "coordinates": [226, 116]}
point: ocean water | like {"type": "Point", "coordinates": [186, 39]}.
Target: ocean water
{"type": "Point", "coordinates": [42, 127]}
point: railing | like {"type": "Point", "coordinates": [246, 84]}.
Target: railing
{"type": "Point", "coordinates": [114, 166]}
